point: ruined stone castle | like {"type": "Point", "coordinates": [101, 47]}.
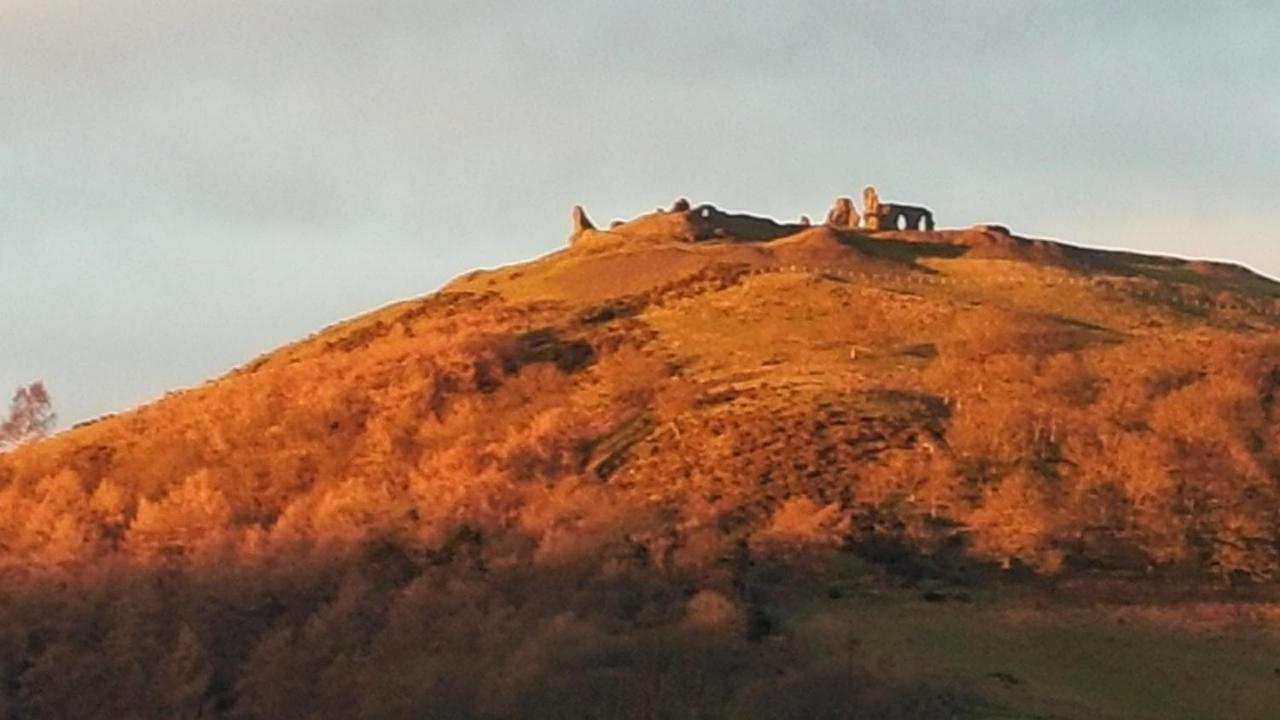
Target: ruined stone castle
{"type": "Point", "coordinates": [706, 222]}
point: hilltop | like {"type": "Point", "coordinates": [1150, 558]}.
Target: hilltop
{"type": "Point", "coordinates": [694, 424]}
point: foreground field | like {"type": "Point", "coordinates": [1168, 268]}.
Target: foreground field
{"type": "Point", "coordinates": [1026, 656]}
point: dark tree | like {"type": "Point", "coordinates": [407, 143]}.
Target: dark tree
{"type": "Point", "coordinates": [30, 415]}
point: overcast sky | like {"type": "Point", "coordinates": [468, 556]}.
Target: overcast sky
{"type": "Point", "coordinates": [184, 185]}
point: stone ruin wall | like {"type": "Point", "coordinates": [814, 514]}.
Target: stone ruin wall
{"type": "Point", "coordinates": [877, 215]}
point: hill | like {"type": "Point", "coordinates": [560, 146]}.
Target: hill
{"type": "Point", "coordinates": [680, 467]}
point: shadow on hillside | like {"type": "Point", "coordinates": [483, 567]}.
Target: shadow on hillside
{"type": "Point", "coordinates": [904, 251]}
{"type": "Point", "coordinates": [386, 632]}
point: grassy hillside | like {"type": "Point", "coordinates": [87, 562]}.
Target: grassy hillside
{"type": "Point", "coordinates": [635, 477]}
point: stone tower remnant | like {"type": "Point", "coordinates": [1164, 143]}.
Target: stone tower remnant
{"type": "Point", "coordinates": [581, 223]}
{"type": "Point", "coordinates": [842, 214]}
{"type": "Point", "coordinates": [870, 201]}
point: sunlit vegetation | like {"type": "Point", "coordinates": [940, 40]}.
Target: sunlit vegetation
{"type": "Point", "coordinates": [646, 499]}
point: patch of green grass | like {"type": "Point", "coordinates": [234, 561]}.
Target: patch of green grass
{"type": "Point", "coordinates": [1023, 658]}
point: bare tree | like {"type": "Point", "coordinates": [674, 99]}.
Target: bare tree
{"type": "Point", "coordinates": [30, 415]}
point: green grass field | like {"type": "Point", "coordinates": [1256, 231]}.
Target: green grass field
{"type": "Point", "coordinates": [1027, 657]}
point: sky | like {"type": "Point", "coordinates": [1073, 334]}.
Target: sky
{"type": "Point", "coordinates": [186, 185]}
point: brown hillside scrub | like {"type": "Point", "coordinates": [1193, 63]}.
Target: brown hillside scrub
{"type": "Point", "coordinates": [636, 479]}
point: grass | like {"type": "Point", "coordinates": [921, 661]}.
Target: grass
{"type": "Point", "coordinates": [1026, 657]}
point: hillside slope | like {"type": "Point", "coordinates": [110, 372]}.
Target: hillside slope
{"type": "Point", "coordinates": [687, 429]}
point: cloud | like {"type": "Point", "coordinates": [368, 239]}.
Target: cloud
{"type": "Point", "coordinates": [344, 140]}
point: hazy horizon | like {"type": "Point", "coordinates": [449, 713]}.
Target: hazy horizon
{"type": "Point", "coordinates": [185, 187]}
